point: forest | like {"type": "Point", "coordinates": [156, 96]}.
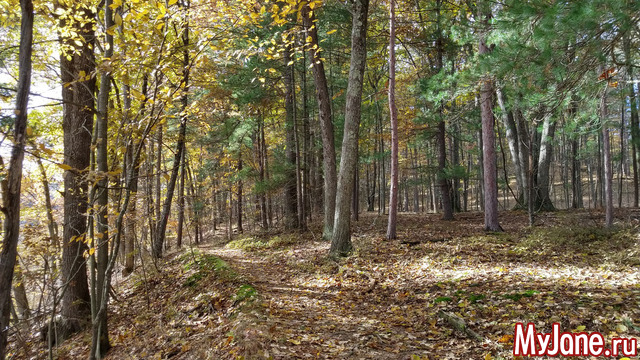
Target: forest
{"type": "Point", "coordinates": [319, 179]}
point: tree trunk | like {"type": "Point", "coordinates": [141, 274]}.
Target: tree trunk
{"type": "Point", "coordinates": [20, 293]}
{"type": "Point", "coordinates": [488, 138]}
{"type": "Point", "coordinates": [100, 339]}
{"type": "Point", "coordinates": [77, 124]}
{"type": "Point", "coordinates": [290, 188]}
{"type": "Point", "coordinates": [393, 111]}
{"type": "Point", "coordinates": [180, 147]}
{"type": "Point", "coordinates": [635, 131]}
{"type": "Point", "coordinates": [443, 182]}
{"type": "Point", "coordinates": [179, 230]}
{"type": "Point", "coordinates": [608, 170]}
{"type": "Point", "coordinates": [512, 141]}
{"type": "Point", "coordinates": [239, 207]}
{"type": "Point", "coordinates": [341, 238]}
{"type": "Point", "coordinates": [13, 186]}
{"type": "Point", "coordinates": [52, 226]}
{"type": "Point", "coordinates": [576, 176]}
{"type": "Point", "coordinates": [543, 201]}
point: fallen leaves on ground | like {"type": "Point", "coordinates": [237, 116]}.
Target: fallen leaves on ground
{"type": "Point", "coordinates": [383, 301]}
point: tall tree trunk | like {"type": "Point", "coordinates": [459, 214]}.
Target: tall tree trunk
{"type": "Point", "coordinates": [341, 238]}
{"type": "Point", "coordinates": [512, 141]}
{"type": "Point", "coordinates": [11, 196]}
{"type": "Point", "coordinates": [179, 230]}
{"type": "Point", "coordinates": [158, 188]}
{"type": "Point", "coordinates": [543, 200]}
{"type": "Point", "coordinates": [445, 191]}
{"type": "Point", "coordinates": [635, 130]}
{"type": "Point", "coordinates": [239, 207]}
{"type": "Point", "coordinates": [261, 174]}
{"type": "Point", "coordinates": [488, 137]}
{"type": "Point", "coordinates": [576, 175]}
{"type": "Point", "coordinates": [326, 122]}
{"type": "Point", "coordinates": [161, 227]}
{"type": "Point", "coordinates": [290, 188]}
{"type": "Point", "coordinates": [77, 124]}
{"type": "Point", "coordinates": [393, 111]}
{"type": "Point", "coordinates": [100, 335]}
{"type": "Point", "coordinates": [608, 170]}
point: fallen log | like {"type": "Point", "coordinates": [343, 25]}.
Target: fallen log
{"type": "Point", "coordinates": [460, 325]}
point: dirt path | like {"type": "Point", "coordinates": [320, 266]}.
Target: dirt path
{"type": "Point", "coordinates": [383, 302]}
{"type": "Point", "coordinates": [314, 316]}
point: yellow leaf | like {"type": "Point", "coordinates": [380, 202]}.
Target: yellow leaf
{"type": "Point", "coordinates": [29, 131]}
{"type": "Point", "coordinates": [488, 357]}
{"type": "Point", "coordinates": [117, 19]}
{"type": "Point", "coordinates": [171, 2]}
{"type": "Point", "coordinates": [581, 328]}
{"type": "Point", "coordinates": [64, 167]}
{"type": "Point", "coordinates": [331, 32]}
{"type": "Point", "coordinates": [309, 39]}
{"type": "Point", "coordinates": [92, 251]}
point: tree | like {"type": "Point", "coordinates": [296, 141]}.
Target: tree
{"type": "Point", "coordinates": [77, 63]}
{"type": "Point", "coordinates": [326, 122]}
{"type": "Point", "coordinates": [12, 185]}
{"type": "Point", "coordinates": [290, 190]}
{"type": "Point", "coordinates": [341, 238]}
{"type": "Point", "coordinates": [393, 111]}
{"type": "Point", "coordinates": [100, 334]}
{"type": "Point", "coordinates": [606, 154]}
{"type": "Point", "coordinates": [488, 136]}
{"type": "Point", "coordinates": [161, 226]}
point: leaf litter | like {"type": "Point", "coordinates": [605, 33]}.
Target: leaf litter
{"type": "Point", "coordinates": [286, 299]}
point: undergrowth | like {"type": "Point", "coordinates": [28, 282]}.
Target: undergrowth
{"type": "Point", "coordinates": [254, 243]}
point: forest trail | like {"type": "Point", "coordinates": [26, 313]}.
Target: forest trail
{"type": "Point", "coordinates": [383, 302]}
{"type": "Point", "coordinates": [327, 313]}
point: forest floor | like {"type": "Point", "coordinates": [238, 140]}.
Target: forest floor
{"type": "Point", "coordinates": [279, 296]}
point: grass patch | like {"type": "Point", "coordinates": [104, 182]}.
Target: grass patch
{"type": "Point", "coordinates": [245, 292]}
{"type": "Point", "coordinates": [203, 266]}
{"type": "Point", "coordinates": [520, 295]}
{"type": "Point", "coordinates": [254, 244]}
{"type": "Point", "coordinates": [617, 244]}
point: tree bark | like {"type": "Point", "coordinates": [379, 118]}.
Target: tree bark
{"type": "Point", "coordinates": [11, 197]}
{"type": "Point", "coordinates": [543, 201]}
{"type": "Point", "coordinates": [608, 170]}
{"type": "Point", "coordinates": [512, 141]}
{"type": "Point", "coordinates": [341, 238]}
{"type": "Point", "coordinates": [240, 196]}
{"type": "Point", "coordinates": [635, 130]}
{"type": "Point", "coordinates": [393, 111]}
{"type": "Point", "coordinates": [180, 147]}
{"type": "Point", "coordinates": [100, 339]}
{"type": "Point", "coordinates": [290, 188]}
{"type": "Point", "coordinates": [179, 231]}
{"type": "Point", "coordinates": [443, 183]}
{"type": "Point", "coordinates": [488, 138]}
{"type": "Point", "coordinates": [77, 123]}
